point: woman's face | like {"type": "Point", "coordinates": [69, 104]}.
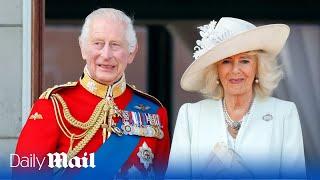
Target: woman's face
{"type": "Point", "coordinates": [237, 73]}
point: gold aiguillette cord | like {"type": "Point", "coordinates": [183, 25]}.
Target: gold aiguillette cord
{"type": "Point", "coordinates": [111, 111]}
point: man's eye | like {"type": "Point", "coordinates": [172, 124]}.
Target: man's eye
{"type": "Point", "coordinates": [99, 44]}
{"type": "Point", "coordinates": [115, 45]}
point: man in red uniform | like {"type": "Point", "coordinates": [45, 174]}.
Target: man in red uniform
{"type": "Point", "coordinates": [99, 122]}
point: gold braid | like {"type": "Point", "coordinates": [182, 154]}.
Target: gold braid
{"type": "Point", "coordinates": [92, 127]}
{"type": "Point", "coordinates": [73, 121]}
{"type": "Point", "coordinates": [86, 139]}
{"type": "Point", "coordinates": [61, 124]}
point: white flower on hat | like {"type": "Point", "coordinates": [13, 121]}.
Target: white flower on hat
{"type": "Point", "coordinates": [210, 38]}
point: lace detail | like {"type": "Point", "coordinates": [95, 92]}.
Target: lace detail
{"type": "Point", "coordinates": [211, 36]}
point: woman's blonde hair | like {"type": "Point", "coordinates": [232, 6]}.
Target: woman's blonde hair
{"type": "Point", "coordinates": [269, 74]}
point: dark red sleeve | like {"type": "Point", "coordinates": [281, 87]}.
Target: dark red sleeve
{"type": "Point", "coordinates": [39, 136]}
{"type": "Point", "coordinates": [163, 150]}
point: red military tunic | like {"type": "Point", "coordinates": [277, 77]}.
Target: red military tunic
{"type": "Point", "coordinates": [42, 133]}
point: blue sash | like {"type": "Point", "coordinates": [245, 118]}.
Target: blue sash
{"type": "Point", "coordinates": [112, 155]}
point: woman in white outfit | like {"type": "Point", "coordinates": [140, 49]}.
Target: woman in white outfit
{"type": "Point", "coordinates": [239, 130]}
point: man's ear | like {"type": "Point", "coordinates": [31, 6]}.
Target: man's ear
{"type": "Point", "coordinates": [133, 54]}
{"type": "Point", "coordinates": [82, 49]}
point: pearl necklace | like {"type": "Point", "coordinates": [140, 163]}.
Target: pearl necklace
{"type": "Point", "coordinates": [232, 123]}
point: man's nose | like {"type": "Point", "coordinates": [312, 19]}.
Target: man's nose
{"type": "Point", "coordinates": [106, 52]}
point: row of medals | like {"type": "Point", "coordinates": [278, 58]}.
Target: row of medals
{"type": "Point", "coordinates": [152, 127]}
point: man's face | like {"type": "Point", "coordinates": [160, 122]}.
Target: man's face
{"type": "Point", "coordinates": [106, 50]}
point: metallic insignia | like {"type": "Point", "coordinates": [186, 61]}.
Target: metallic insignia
{"type": "Point", "coordinates": [36, 116]}
{"type": "Point", "coordinates": [153, 119]}
{"type": "Point", "coordinates": [141, 124]}
{"type": "Point", "coordinates": [91, 86]}
{"type": "Point", "coordinates": [149, 131]}
{"type": "Point", "coordinates": [117, 130]}
{"type": "Point", "coordinates": [160, 136]}
{"type": "Point", "coordinates": [142, 107]}
{"type": "Point", "coordinates": [123, 86]}
{"type": "Point", "coordinates": [125, 116]}
{"type": "Point", "coordinates": [127, 128]}
{"type": "Point", "coordinates": [158, 132]}
{"type": "Point", "coordinates": [145, 154]}
{"type": "Point", "coordinates": [267, 117]}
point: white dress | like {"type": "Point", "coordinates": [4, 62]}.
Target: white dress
{"type": "Point", "coordinates": [269, 143]}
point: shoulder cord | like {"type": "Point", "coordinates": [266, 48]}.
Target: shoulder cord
{"type": "Point", "coordinates": [85, 136]}
{"type": "Point", "coordinates": [76, 123]}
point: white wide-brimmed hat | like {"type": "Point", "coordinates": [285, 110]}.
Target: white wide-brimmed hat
{"type": "Point", "coordinates": [228, 37]}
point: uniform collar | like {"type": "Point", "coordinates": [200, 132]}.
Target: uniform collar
{"type": "Point", "coordinates": [101, 90]}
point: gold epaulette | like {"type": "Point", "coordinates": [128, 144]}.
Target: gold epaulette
{"type": "Point", "coordinates": [145, 94]}
{"type": "Point", "coordinates": [46, 94]}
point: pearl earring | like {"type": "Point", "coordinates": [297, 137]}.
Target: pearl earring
{"type": "Point", "coordinates": [217, 82]}
{"type": "Point", "coordinates": [256, 80]}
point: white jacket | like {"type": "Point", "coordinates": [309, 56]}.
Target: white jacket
{"type": "Point", "coordinates": [270, 142]}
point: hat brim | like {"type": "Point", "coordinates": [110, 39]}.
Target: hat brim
{"type": "Point", "coordinates": [268, 38]}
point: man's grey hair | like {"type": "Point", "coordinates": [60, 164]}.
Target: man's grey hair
{"type": "Point", "coordinates": [115, 15]}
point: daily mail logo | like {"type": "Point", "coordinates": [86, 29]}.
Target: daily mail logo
{"type": "Point", "coordinates": [55, 160]}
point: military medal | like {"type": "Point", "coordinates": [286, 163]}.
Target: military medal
{"type": "Point", "coordinates": [141, 124]}
{"type": "Point", "coordinates": [127, 128]}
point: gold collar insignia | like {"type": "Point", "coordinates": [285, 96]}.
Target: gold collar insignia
{"type": "Point", "coordinates": [101, 90]}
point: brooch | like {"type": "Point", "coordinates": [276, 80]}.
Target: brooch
{"type": "Point", "coordinates": [267, 117]}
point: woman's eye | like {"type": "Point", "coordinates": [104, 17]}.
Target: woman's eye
{"type": "Point", "coordinates": [245, 61]}
{"type": "Point", "coordinates": [225, 61]}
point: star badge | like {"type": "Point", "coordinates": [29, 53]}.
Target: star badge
{"type": "Point", "coordinates": [145, 154]}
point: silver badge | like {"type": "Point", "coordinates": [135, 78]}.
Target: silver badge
{"type": "Point", "coordinates": [91, 86]}
{"type": "Point", "coordinates": [142, 107]}
{"type": "Point", "coordinates": [145, 154]}
{"type": "Point", "coordinates": [267, 117]}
